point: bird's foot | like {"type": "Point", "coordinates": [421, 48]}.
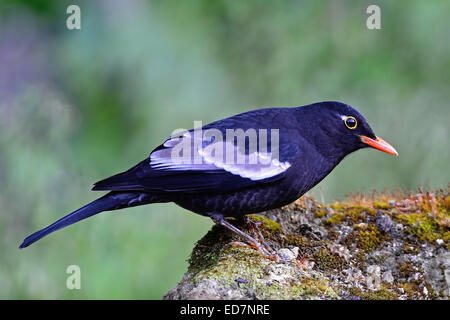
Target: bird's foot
{"type": "Point", "coordinates": [254, 227]}
{"type": "Point", "coordinates": [258, 244]}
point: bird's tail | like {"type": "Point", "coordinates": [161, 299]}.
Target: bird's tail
{"type": "Point", "coordinates": [110, 201]}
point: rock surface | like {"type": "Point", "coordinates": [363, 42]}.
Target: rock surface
{"type": "Point", "coordinates": [394, 247]}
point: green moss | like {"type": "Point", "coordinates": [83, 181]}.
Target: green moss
{"type": "Point", "coordinates": [336, 218]}
{"type": "Point", "coordinates": [381, 205]}
{"type": "Point", "coordinates": [326, 260]}
{"type": "Point", "coordinates": [208, 249]}
{"type": "Point", "coordinates": [424, 227]}
{"type": "Point", "coordinates": [313, 288]}
{"type": "Point", "coordinates": [297, 241]}
{"type": "Point", "coordinates": [369, 238]}
{"type": "Point", "coordinates": [234, 263]}
{"type": "Point", "coordinates": [366, 237]}
{"type": "Point", "coordinates": [321, 213]}
{"type": "Point", "coordinates": [380, 294]}
{"type": "Point", "coordinates": [274, 292]}
{"type": "Point", "coordinates": [268, 225]}
{"type": "Point", "coordinates": [305, 288]}
{"type": "Point", "coordinates": [336, 206]}
{"type": "Point", "coordinates": [352, 212]}
{"type": "Point", "coordinates": [383, 293]}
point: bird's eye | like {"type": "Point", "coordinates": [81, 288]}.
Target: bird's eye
{"type": "Point", "coordinates": [350, 122]}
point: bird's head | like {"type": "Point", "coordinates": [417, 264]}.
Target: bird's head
{"type": "Point", "coordinates": [342, 130]}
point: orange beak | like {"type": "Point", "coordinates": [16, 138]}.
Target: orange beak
{"type": "Point", "coordinates": [379, 144]}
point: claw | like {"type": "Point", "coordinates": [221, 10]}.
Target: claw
{"type": "Point", "coordinates": [261, 246]}
{"type": "Point", "coordinates": [236, 244]}
{"type": "Point", "coordinates": [254, 227]}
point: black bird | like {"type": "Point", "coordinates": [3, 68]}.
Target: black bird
{"type": "Point", "coordinates": [212, 174]}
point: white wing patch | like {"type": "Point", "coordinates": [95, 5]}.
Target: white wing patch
{"type": "Point", "coordinates": [188, 151]}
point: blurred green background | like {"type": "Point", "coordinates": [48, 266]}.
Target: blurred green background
{"type": "Point", "coordinates": [78, 106]}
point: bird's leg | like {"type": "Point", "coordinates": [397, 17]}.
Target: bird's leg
{"type": "Point", "coordinates": [249, 241]}
{"type": "Point", "coordinates": [254, 227]}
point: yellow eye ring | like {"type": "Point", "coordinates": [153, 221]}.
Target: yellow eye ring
{"type": "Point", "coordinates": [350, 122]}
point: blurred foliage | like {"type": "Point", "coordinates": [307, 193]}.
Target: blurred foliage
{"type": "Point", "coordinates": [77, 106]}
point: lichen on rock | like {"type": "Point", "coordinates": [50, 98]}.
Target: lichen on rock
{"type": "Point", "coordinates": [384, 246]}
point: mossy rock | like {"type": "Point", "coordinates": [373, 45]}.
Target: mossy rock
{"type": "Point", "coordinates": [387, 246]}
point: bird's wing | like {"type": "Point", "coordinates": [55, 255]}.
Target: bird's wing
{"type": "Point", "coordinates": [189, 163]}
{"type": "Point", "coordinates": [201, 160]}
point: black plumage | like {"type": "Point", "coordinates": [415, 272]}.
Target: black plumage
{"type": "Point", "coordinates": [310, 141]}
